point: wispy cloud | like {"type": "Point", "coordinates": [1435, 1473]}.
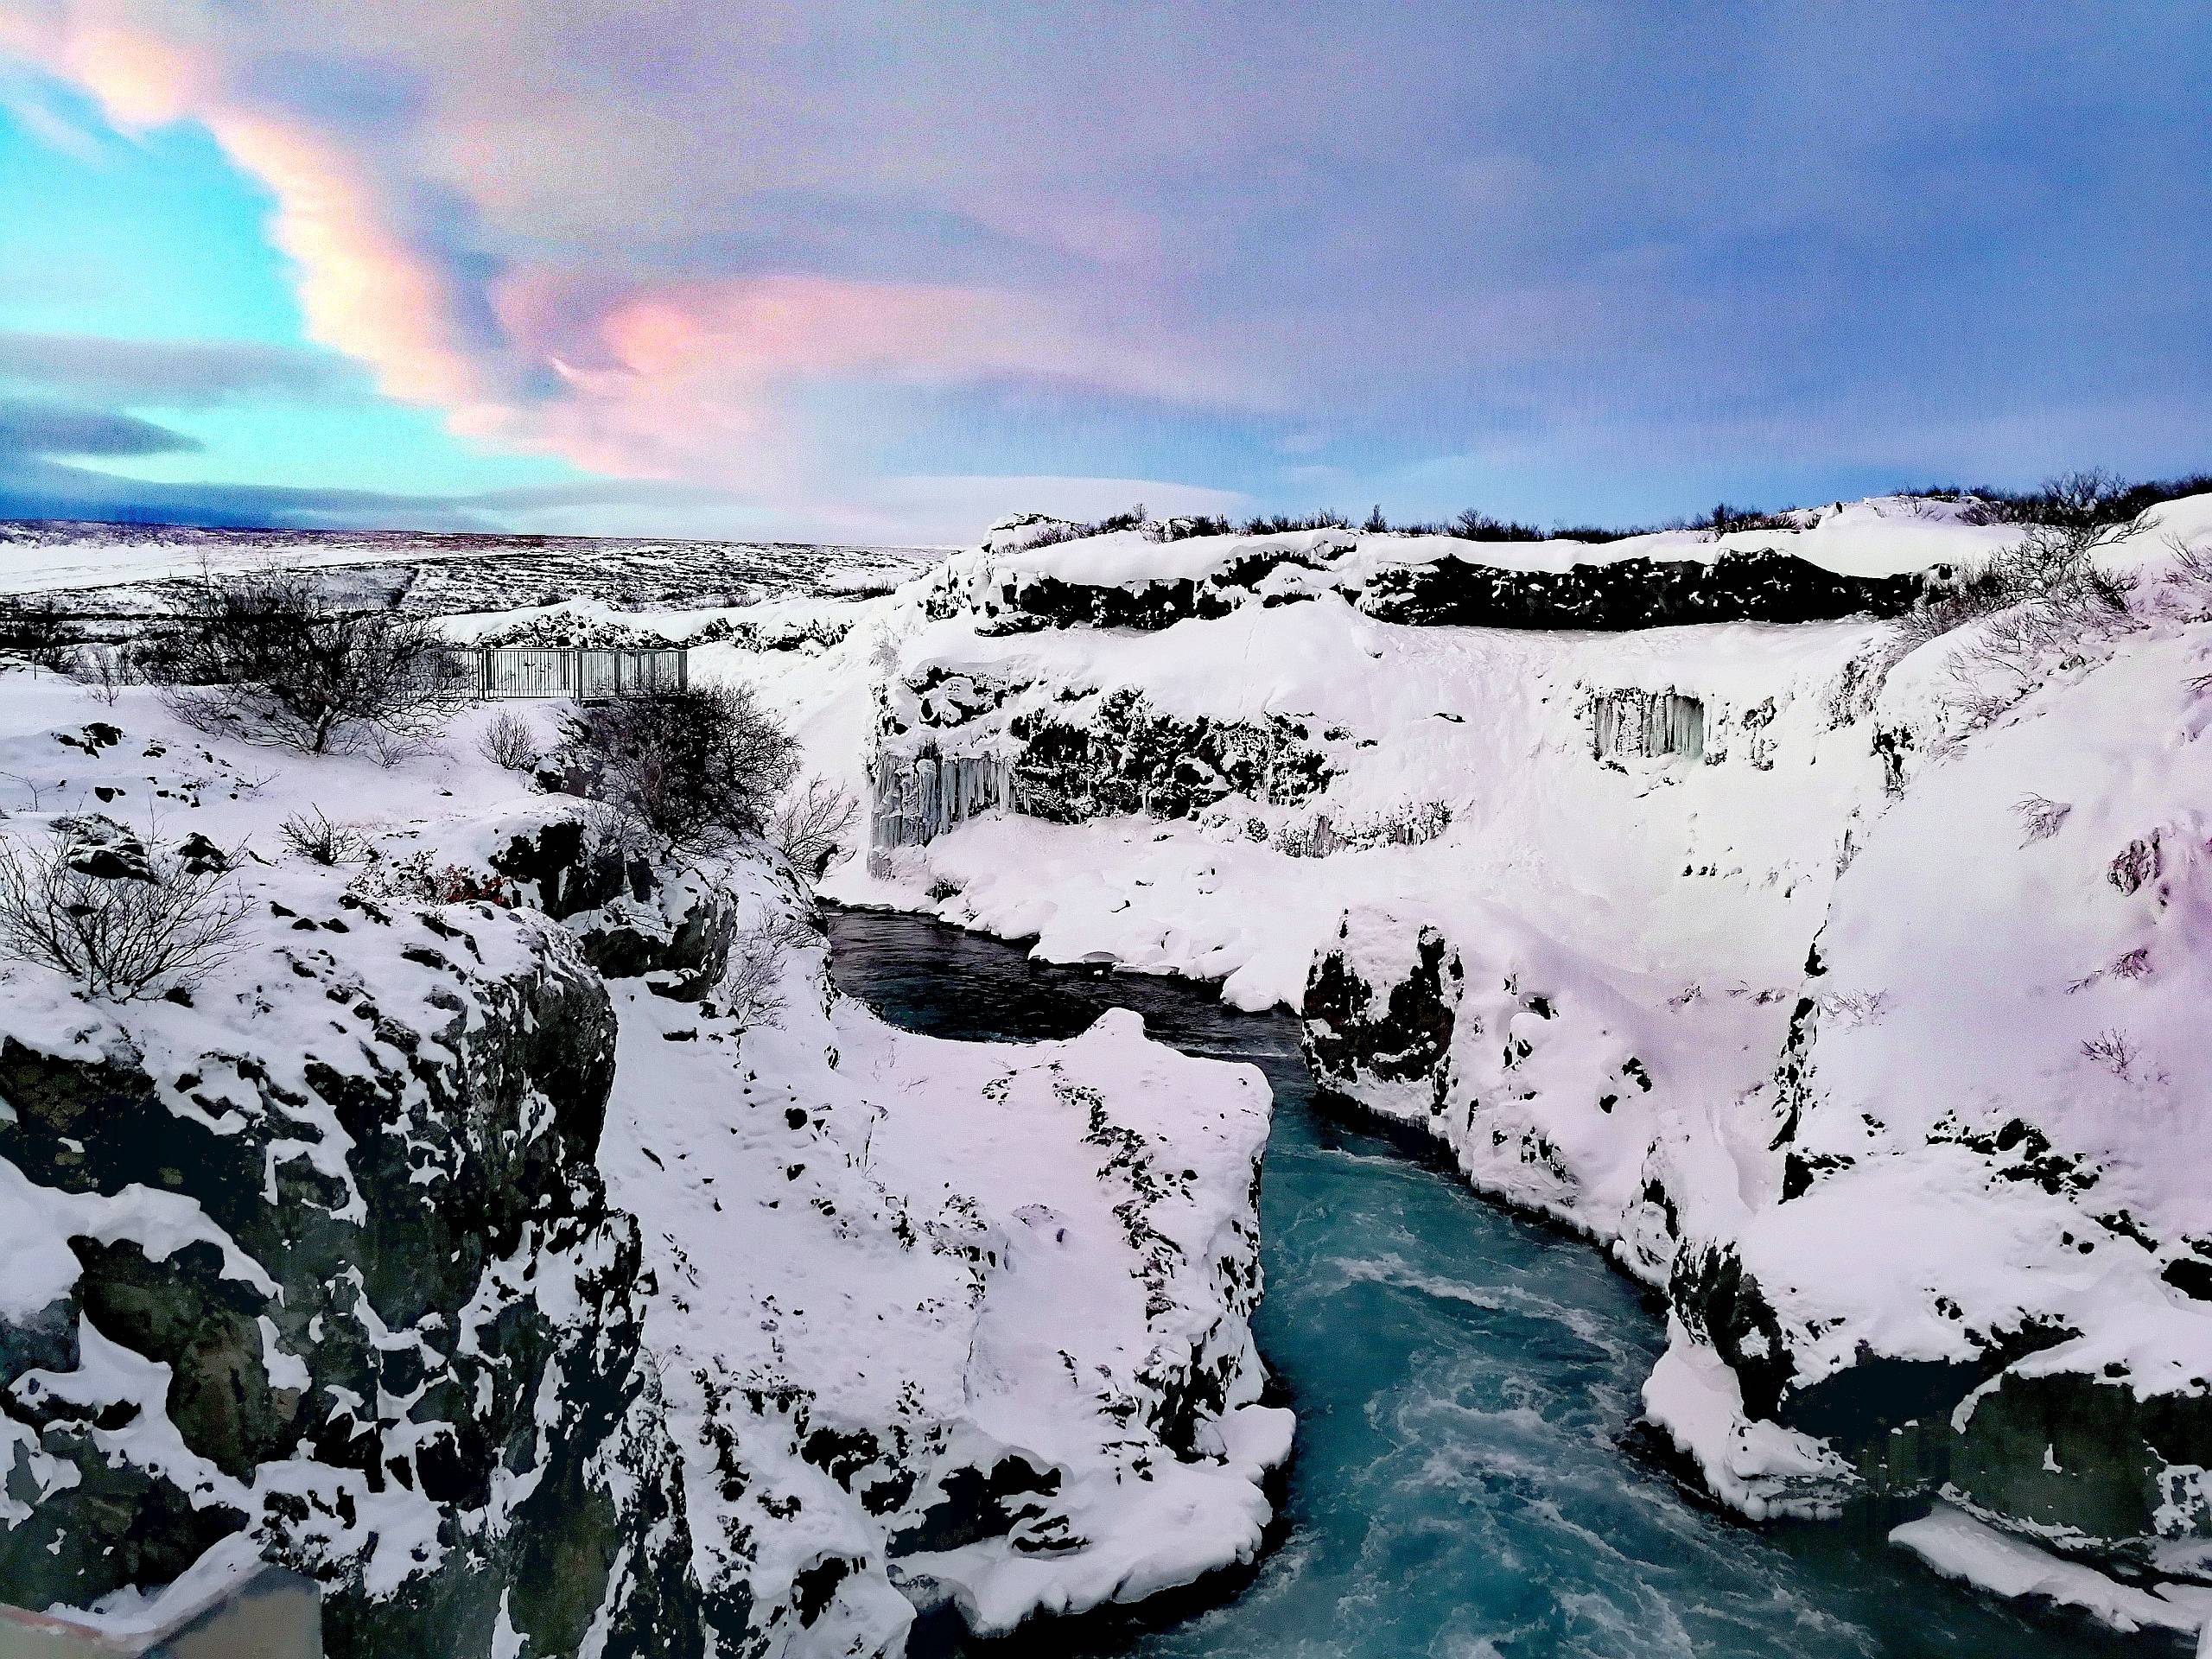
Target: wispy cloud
{"type": "Point", "coordinates": [636, 373]}
{"type": "Point", "coordinates": [170, 373]}
{"type": "Point", "coordinates": [33, 429]}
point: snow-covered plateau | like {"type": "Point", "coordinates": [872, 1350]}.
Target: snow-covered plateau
{"type": "Point", "coordinates": [530, 1246]}
{"type": "Point", "coordinates": [1841, 975]}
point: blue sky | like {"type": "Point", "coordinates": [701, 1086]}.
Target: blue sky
{"type": "Point", "coordinates": [851, 270]}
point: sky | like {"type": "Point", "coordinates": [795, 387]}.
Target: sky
{"type": "Point", "coordinates": [844, 271]}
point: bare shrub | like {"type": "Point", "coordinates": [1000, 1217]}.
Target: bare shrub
{"type": "Point", "coordinates": [2113, 1051]}
{"type": "Point", "coordinates": [2040, 819]}
{"type": "Point", "coordinates": [1185, 526]}
{"type": "Point", "coordinates": [2041, 602]}
{"type": "Point", "coordinates": [701, 767]}
{"type": "Point", "coordinates": [1476, 526]}
{"type": "Point", "coordinates": [313, 836]}
{"type": "Point", "coordinates": [2053, 567]}
{"type": "Point", "coordinates": [2142, 860]}
{"type": "Point", "coordinates": [1052, 535]}
{"type": "Point", "coordinates": [751, 986]}
{"type": "Point", "coordinates": [1277, 523]}
{"type": "Point", "coordinates": [810, 824]}
{"type": "Point", "coordinates": [273, 658]}
{"type": "Point", "coordinates": [38, 628]}
{"type": "Point", "coordinates": [510, 742]}
{"type": "Point", "coordinates": [102, 670]}
{"type": "Point", "coordinates": [122, 918]}
{"type": "Point", "coordinates": [2191, 562]}
{"type": "Point", "coordinates": [1850, 1008]}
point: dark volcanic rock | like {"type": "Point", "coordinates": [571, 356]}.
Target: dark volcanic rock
{"type": "Point", "coordinates": [1633, 592]}
{"type": "Point", "coordinates": [426, 1301]}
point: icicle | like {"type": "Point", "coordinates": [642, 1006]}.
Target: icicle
{"type": "Point", "coordinates": [917, 800]}
{"type": "Point", "coordinates": [1632, 722]}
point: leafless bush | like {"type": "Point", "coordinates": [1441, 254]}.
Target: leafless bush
{"type": "Point", "coordinates": [122, 918]}
{"type": "Point", "coordinates": [1849, 1008]}
{"type": "Point", "coordinates": [2113, 1051]}
{"type": "Point", "coordinates": [701, 767]}
{"type": "Point", "coordinates": [751, 988]}
{"type": "Point", "coordinates": [2078, 500]}
{"type": "Point", "coordinates": [102, 670]}
{"type": "Point", "coordinates": [273, 658]}
{"type": "Point", "coordinates": [510, 742]}
{"type": "Point", "coordinates": [2039, 602]}
{"type": "Point", "coordinates": [37, 628]}
{"type": "Point", "coordinates": [2192, 562]}
{"type": "Point", "coordinates": [326, 841]}
{"type": "Point", "coordinates": [2052, 569]}
{"type": "Point", "coordinates": [2142, 860]}
{"type": "Point", "coordinates": [810, 822]}
{"type": "Point", "coordinates": [2040, 819]}
{"type": "Point", "coordinates": [1134, 519]}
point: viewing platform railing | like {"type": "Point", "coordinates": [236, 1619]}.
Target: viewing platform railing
{"type": "Point", "coordinates": [587, 673]}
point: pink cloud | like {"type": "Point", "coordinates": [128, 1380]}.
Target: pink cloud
{"type": "Point", "coordinates": [362, 289]}
{"type": "Point", "coordinates": [697, 380]}
{"type": "Point", "coordinates": [691, 379]}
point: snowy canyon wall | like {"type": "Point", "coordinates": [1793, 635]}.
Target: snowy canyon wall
{"type": "Point", "coordinates": [1831, 978]}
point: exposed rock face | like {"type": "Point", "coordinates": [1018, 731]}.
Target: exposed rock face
{"type": "Point", "coordinates": [1633, 592]}
{"type": "Point", "coordinates": [1014, 594]}
{"type": "Point", "coordinates": [1362, 1038]}
{"type": "Point", "coordinates": [365, 1297]}
{"type": "Point", "coordinates": [1537, 1076]}
{"type": "Point", "coordinates": [1070, 753]}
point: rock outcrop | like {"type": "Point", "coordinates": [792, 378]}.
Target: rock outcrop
{"type": "Point", "coordinates": [516, 1236]}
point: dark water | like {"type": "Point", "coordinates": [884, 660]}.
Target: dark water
{"type": "Point", "coordinates": [1467, 1482]}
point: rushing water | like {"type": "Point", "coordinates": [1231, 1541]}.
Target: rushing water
{"type": "Point", "coordinates": [1467, 1480]}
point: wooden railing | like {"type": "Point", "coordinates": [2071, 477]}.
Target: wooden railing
{"type": "Point", "coordinates": [588, 672]}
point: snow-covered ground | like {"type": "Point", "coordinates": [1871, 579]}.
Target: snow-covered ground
{"type": "Point", "coordinates": [119, 569]}
{"type": "Point", "coordinates": [1846, 988]}
{"type": "Point", "coordinates": [588, 1282]}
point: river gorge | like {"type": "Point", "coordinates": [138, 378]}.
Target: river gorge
{"type": "Point", "coordinates": [1470, 1477]}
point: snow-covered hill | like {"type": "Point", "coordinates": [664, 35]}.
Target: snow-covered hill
{"type": "Point", "coordinates": [122, 570]}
